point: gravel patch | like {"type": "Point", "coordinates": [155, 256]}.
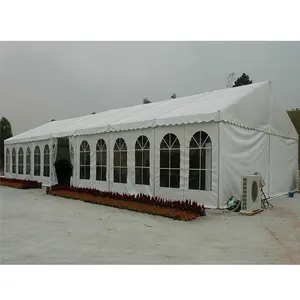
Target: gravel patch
{"type": "Point", "coordinates": [36, 228]}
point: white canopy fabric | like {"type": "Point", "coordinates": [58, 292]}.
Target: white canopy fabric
{"type": "Point", "coordinates": [249, 106]}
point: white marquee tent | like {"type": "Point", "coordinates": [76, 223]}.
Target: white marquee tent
{"type": "Point", "coordinates": [241, 132]}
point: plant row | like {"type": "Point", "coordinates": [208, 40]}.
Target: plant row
{"type": "Point", "coordinates": [28, 183]}
{"type": "Point", "coordinates": [186, 205]}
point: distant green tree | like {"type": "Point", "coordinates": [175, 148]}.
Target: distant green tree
{"type": "Point", "coordinates": [5, 133]}
{"type": "Point", "coordinates": [243, 80]}
{"type": "Point", "coordinates": [173, 96]}
{"type": "Point", "coordinates": [146, 100]}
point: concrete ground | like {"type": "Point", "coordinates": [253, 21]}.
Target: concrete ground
{"type": "Point", "coordinates": [40, 229]}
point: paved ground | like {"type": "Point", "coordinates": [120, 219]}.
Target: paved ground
{"type": "Point", "coordinates": [42, 229]}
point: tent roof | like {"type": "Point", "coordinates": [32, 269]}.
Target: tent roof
{"type": "Point", "coordinates": [247, 106]}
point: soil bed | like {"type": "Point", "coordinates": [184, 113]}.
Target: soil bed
{"type": "Point", "coordinates": [20, 184]}
{"type": "Point", "coordinates": [172, 213]}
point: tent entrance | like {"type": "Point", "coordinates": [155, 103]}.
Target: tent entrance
{"type": "Point", "coordinates": [63, 166]}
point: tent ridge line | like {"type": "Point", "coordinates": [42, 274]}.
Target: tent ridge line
{"type": "Point", "coordinates": [146, 127]}
{"type": "Point", "coordinates": [259, 130]}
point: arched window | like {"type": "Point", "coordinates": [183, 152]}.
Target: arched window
{"type": "Point", "coordinates": [85, 160]}
{"type": "Point", "coordinates": [7, 161]}
{"type": "Point", "coordinates": [200, 165]}
{"type": "Point", "coordinates": [21, 161]}
{"type": "Point", "coordinates": [46, 161]}
{"type": "Point", "coordinates": [28, 161]}
{"type": "Point", "coordinates": [37, 161]}
{"type": "Point", "coordinates": [13, 158]}
{"type": "Point", "coordinates": [120, 161]}
{"type": "Point", "coordinates": [170, 161]}
{"type": "Point", "coordinates": [101, 158]}
{"type": "Point", "coordinates": [142, 160]}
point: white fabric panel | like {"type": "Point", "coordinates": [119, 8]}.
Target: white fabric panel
{"type": "Point", "coordinates": [14, 175]}
{"type": "Point", "coordinates": [93, 183]}
{"type": "Point", "coordinates": [23, 176]}
{"type": "Point", "coordinates": [163, 192]}
{"type": "Point", "coordinates": [208, 198]}
{"type": "Point", "coordinates": [29, 176]}
{"type": "Point", "coordinates": [92, 143]}
{"type": "Point", "coordinates": [8, 174]}
{"type": "Point", "coordinates": [71, 151]}
{"type": "Point", "coordinates": [45, 180]}
{"type": "Point", "coordinates": [247, 105]}
{"type": "Point", "coordinates": [53, 154]}
{"type": "Point", "coordinates": [284, 165]}
{"type": "Point", "coordinates": [130, 138]}
{"type": "Point", "coordinates": [252, 108]}
{"type": "Point", "coordinates": [243, 152]}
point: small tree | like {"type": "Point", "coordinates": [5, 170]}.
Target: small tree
{"type": "Point", "coordinates": [146, 100]}
{"type": "Point", "coordinates": [5, 133]}
{"type": "Point", "coordinates": [243, 80]}
{"type": "Point", "coordinates": [173, 96]}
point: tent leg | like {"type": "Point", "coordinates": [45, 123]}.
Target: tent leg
{"type": "Point", "coordinates": [219, 143]}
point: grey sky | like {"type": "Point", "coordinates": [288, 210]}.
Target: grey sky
{"type": "Point", "coordinates": [44, 80]}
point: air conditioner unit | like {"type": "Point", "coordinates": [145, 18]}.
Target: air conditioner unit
{"type": "Point", "coordinates": [251, 195]}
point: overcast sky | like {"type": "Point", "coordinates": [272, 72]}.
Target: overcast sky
{"type": "Point", "coordinates": [40, 81]}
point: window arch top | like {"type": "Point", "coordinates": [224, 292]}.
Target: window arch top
{"type": "Point", "coordinates": [84, 146]}
{"type": "Point", "coordinates": [101, 145]}
{"type": "Point", "coordinates": [170, 141]}
{"type": "Point", "coordinates": [142, 143]}
{"type": "Point", "coordinates": [200, 140]}
{"type": "Point", "coordinates": [120, 144]}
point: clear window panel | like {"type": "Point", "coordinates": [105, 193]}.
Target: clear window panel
{"type": "Point", "coordinates": [81, 172]}
{"type": "Point", "coordinates": [138, 158]}
{"type": "Point", "coordinates": [164, 177]}
{"type": "Point", "coordinates": [124, 158]}
{"type": "Point", "coordinates": [117, 159]}
{"type": "Point", "coordinates": [116, 174]}
{"type": "Point", "coordinates": [146, 176]}
{"type": "Point", "coordinates": [124, 175]}
{"type": "Point", "coordinates": [138, 176]}
{"type": "Point", "coordinates": [194, 179]}
{"type": "Point", "coordinates": [202, 180]}
{"type": "Point", "coordinates": [175, 158]}
{"type": "Point", "coordinates": [87, 174]}
{"type": "Point", "coordinates": [164, 158]}
{"type": "Point", "coordinates": [194, 159]}
{"type": "Point", "coordinates": [146, 158]}
{"type": "Point", "coordinates": [103, 172]}
{"type": "Point", "coordinates": [175, 179]}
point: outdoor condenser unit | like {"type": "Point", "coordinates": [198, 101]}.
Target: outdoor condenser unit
{"type": "Point", "coordinates": [251, 195]}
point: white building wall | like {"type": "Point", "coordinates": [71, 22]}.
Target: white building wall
{"type": "Point", "coordinates": [243, 152]}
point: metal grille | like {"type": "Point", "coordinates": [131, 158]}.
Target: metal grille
{"type": "Point", "coordinates": [244, 195]}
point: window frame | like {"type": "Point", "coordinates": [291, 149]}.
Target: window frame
{"type": "Point", "coordinates": [171, 149]}
{"type": "Point", "coordinates": [85, 153]}
{"type": "Point", "coordinates": [101, 168]}
{"type": "Point", "coordinates": [120, 171]}
{"type": "Point", "coordinates": [37, 161]}
{"type": "Point", "coordinates": [14, 161]}
{"type": "Point", "coordinates": [142, 146]}
{"type": "Point", "coordinates": [202, 146]}
{"type": "Point", "coordinates": [28, 165]}
{"type": "Point", "coordinates": [7, 161]}
{"type": "Point", "coordinates": [46, 166]}
{"type": "Point", "coordinates": [20, 161]}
